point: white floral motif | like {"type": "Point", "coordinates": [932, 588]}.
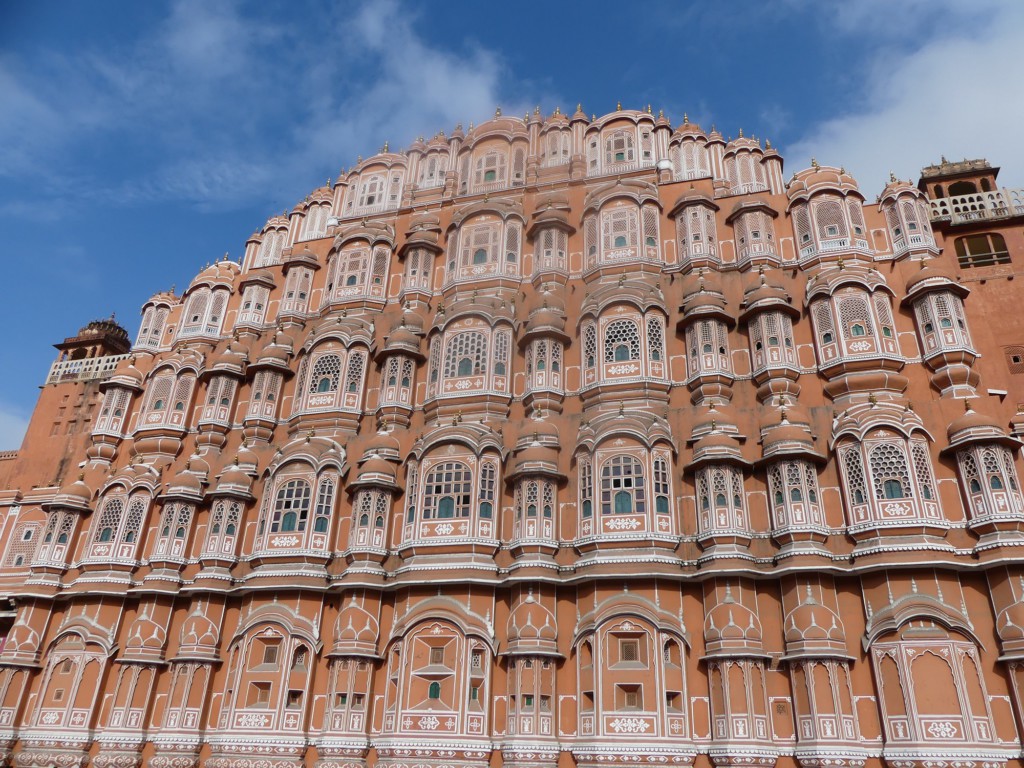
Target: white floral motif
{"type": "Point", "coordinates": [623, 369]}
{"type": "Point", "coordinates": [429, 723]}
{"type": "Point", "coordinates": [942, 729]}
{"type": "Point", "coordinates": [630, 725]}
{"type": "Point", "coordinates": [444, 528]}
{"type": "Point", "coordinates": [252, 721]}
{"type": "Point", "coordinates": [620, 524]}
{"type": "Point", "coordinates": [285, 541]}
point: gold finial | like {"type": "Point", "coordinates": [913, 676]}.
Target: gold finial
{"type": "Point", "coordinates": [840, 263]}
{"type": "Point", "coordinates": [310, 435]}
{"type": "Point", "coordinates": [686, 119]}
{"type": "Point", "coordinates": [618, 106]}
{"type": "Point", "coordinates": [892, 176]}
{"type": "Point", "coordinates": [497, 111]}
{"type": "Point", "coordinates": [526, 117]}
{"type": "Point", "coordinates": [967, 405]}
{"type": "Point", "coordinates": [649, 110]}
{"type": "Point", "coordinates": [81, 476]}
{"type": "Point", "coordinates": [814, 163]}
{"type": "Point", "coordinates": [622, 409]}
{"type": "Point", "coordinates": [593, 118]}
{"type": "Point", "coordinates": [471, 125]}
{"type": "Point", "coordinates": [385, 147]}
{"type": "Point", "coordinates": [767, 143]}
{"type": "Point", "coordinates": [579, 106]}
{"type": "Point", "coordinates": [558, 110]}
{"type": "Point", "coordinates": [536, 110]}
{"type": "Point", "coordinates": [359, 158]}
{"type": "Point", "coordinates": [741, 133]}
{"type": "Point", "coordinates": [872, 399]}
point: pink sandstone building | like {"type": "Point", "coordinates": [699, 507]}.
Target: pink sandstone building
{"type": "Point", "coordinates": [560, 441]}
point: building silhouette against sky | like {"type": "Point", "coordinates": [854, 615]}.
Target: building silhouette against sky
{"type": "Point", "coordinates": [559, 440]}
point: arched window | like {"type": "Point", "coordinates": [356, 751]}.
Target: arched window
{"type": "Point", "coordinates": [324, 506]}
{"type": "Point", "coordinates": [448, 491]}
{"type": "Point", "coordinates": [466, 354]}
{"type": "Point", "coordinates": [622, 486]}
{"type": "Point", "coordinates": [621, 341]}
{"type": "Point", "coordinates": [890, 472]}
{"type": "Point", "coordinates": [291, 507]}
{"type": "Point", "coordinates": [434, 691]}
{"type": "Point", "coordinates": [487, 482]}
{"type": "Point", "coordinates": [326, 372]}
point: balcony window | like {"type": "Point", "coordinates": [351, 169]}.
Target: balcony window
{"type": "Point", "coordinates": [982, 250]}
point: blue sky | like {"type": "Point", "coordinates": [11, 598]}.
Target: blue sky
{"type": "Point", "coordinates": [138, 141]}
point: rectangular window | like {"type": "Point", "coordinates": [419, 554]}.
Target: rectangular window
{"type": "Point", "coordinates": [294, 699]}
{"type": "Point", "coordinates": [629, 650]}
{"type": "Point", "coordinates": [259, 695]}
{"type": "Point", "coordinates": [437, 656]}
{"type": "Point", "coordinates": [340, 700]}
{"type": "Point", "coordinates": [527, 702]}
{"type": "Point", "coordinates": [477, 660]}
{"type": "Point", "coordinates": [270, 652]}
{"type": "Point", "coordinates": [358, 701]}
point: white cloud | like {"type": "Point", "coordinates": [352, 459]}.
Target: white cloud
{"type": "Point", "coordinates": [954, 94]}
{"type": "Point", "coordinates": [13, 424]}
{"type": "Point", "coordinates": [221, 107]}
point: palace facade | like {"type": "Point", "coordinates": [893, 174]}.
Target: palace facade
{"type": "Point", "coordinates": [560, 441]}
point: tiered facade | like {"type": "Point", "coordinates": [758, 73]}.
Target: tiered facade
{"type": "Point", "coordinates": [563, 441]}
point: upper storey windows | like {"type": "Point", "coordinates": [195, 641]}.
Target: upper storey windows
{"type": "Point", "coordinates": [690, 160]}
{"type": "Point", "coordinates": [432, 170]}
{"type": "Point", "coordinates": [358, 271]}
{"type": "Point", "coordinates": [696, 234]}
{"type": "Point", "coordinates": [486, 247]}
{"type": "Point", "coordinates": [168, 396]}
{"type": "Point", "coordinates": [621, 232]}
{"type": "Point", "coordinates": [271, 245]}
{"type": "Point", "coordinates": [755, 237]}
{"type": "Point", "coordinates": [151, 332]}
{"type": "Point", "coordinates": [314, 225]}
{"type": "Point", "coordinates": [203, 313]}
{"type": "Point", "coordinates": [331, 379]}
{"type": "Point", "coordinates": [492, 166]}
{"type": "Point", "coordinates": [374, 192]}
{"type": "Point", "coordinates": [620, 149]}
{"type": "Point", "coordinates": [624, 346]}
{"type": "Point", "coordinates": [854, 323]}
{"type": "Point", "coordinates": [829, 223]}
{"type": "Point", "coordinates": [888, 481]}
{"type": "Point", "coordinates": [556, 148]}
{"type": "Point", "coordinates": [468, 358]}
{"type": "Point", "coordinates": [745, 173]}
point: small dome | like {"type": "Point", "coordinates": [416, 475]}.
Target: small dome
{"type": "Point", "coordinates": [185, 484]}
{"type": "Point", "coordinates": [743, 142]}
{"type": "Point", "coordinates": [233, 481]}
{"type": "Point", "coordinates": [532, 628]}
{"type": "Point", "coordinates": [102, 328]}
{"type": "Point", "coordinates": [355, 632]}
{"type": "Point", "coordinates": [376, 467]}
{"type": "Point", "coordinates": [686, 128]}
{"type": "Point", "coordinates": [382, 444]}
{"type": "Point", "coordinates": [199, 636]}
{"type": "Point", "coordinates": [974, 427]}
{"type": "Point", "coordinates": [1010, 624]}
{"type": "Point", "coordinates": [897, 187]}
{"type": "Point", "coordinates": [731, 627]}
{"type": "Point", "coordinates": [146, 639]}
{"type": "Point", "coordinates": [821, 178]}
{"type": "Point", "coordinates": [76, 495]}
{"type": "Point", "coordinates": [814, 628]}
{"type": "Point", "coordinates": [218, 273]}
{"type": "Point", "coordinates": [933, 277]}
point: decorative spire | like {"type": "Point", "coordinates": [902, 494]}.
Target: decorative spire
{"type": "Point", "coordinates": [814, 163]}
{"type": "Point", "coordinates": [497, 111]}
{"type": "Point", "coordinates": [618, 106]}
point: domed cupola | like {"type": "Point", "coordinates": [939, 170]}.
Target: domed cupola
{"type": "Point", "coordinates": [146, 641]}
{"type": "Point", "coordinates": [731, 629]}
{"type": "Point", "coordinates": [786, 431]}
{"type": "Point", "coordinates": [696, 230]}
{"type": "Point", "coordinates": [937, 300]}
{"type": "Point", "coordinates": [76, 496]}
{"type": "Point", "coordinates": [355, 632]}
{"type": "Point", "coordinates": [743, 162]}
{"type": "Point", "coordinates": [706, 321]}
{"type": "Point", "coordinates": [814, 630]}
{"type": "Point", "coordinates": [908, 217]}
{"type": "Point", "coordinates": [532, 629]}
{"type": "Point", "coordinates": [827, 210]}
